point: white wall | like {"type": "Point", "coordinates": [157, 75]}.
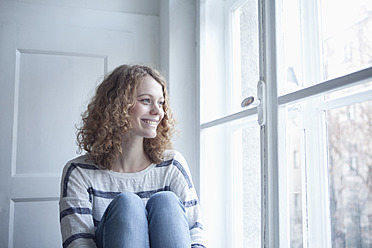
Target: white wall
{"type": "Point", "coordinates": [178, 59]}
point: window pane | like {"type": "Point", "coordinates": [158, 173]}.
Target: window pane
{"type": "Point", "coordinates": [347, 36]}
{"type": "Point", "coordinates": [213, 193]}
{"type": "Point", "coordinates": [245, 55]}
{"type": "Point", "coordinates": [230, 152]}
{"type": "Point", "coordinates": [229, 57]}
{"type": "Point", "coordinates": [350, 174]}
{"type": "Point", "coordinates": [294, 171]}
{"type": "Point", "coordinates": [322, 40]}
{"type": "Point", "coordinates": [294, 174]}
{"type": "Point", "coordinates": [251, 187]}
{"type": "Point", "coordinates": [213, 85]}
{"type": "Point", "coordinates": [291, 73]}
{"type": "Point", "coordinates": [231, 169]}
{"type": "Point", "coordinates": [248, 138]}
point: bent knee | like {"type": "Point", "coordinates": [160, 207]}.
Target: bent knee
{"type": "Point", "coordinates": [126, 198]}
{"type": "Point", "coordinates": [164, 198]}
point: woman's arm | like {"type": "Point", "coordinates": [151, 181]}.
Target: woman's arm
{"type": "Point", "coordinates": [75, 208]}
{"type": "Point", "coordinates": [182, 185]}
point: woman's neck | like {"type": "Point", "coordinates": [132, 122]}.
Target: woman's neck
{"type": "Point", "coordinates": [134, 158]}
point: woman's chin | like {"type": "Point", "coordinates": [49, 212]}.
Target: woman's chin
{"type": "Point", "coordinates": [151, 136]}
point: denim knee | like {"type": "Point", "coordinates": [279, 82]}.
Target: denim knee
{"type": "Point", "coordinates": [131, 203]}
{"type": "Point", "coordinates": [124, 222]}
{"type": "Point", "coordinates": [164, 200]}
{"type": "Point", "coordinates": [126, 198]}
{"type": "Point", "coordinates": [168, 225]}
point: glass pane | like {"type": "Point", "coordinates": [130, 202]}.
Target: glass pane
{"type": "Point", "coordinates": [294, 174]}
{"type": "Point", "coordinates": [229, 59]}
{"type": "Point", "coordinates": [247, 187]}
{"type": "Point", "coordinates": [346, 36]}
{"type": "Point", "coordinates": [291, 71]}
{"type": "Point", "coordinates": [350, 174]}
{"type": "Point", "coordinates": [213, 86]}
{"type": "Point", "coordinates": [213, 195]}
{"type": "Point", "coordinates": [245, 55]}
{"type": "Point", "coordinates": [322, 40]}
{"type": "Point", "coordinates": [251, 174]}
{"type": "Point", "coordinates": [231, 186]}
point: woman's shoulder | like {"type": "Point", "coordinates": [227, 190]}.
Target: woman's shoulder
{"type": "Point", "coordinates": [179, 165]}
{"type": "Point", "coordinates": [80, 162]}
{"type": "Point", "coordinates": [175, 158]}
{"type": "Point", "coordinates": [173, 155]}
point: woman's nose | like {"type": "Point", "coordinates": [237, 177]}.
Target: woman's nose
{"type": "Point", "coordinates": [156, 108]}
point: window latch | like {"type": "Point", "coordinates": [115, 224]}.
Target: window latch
{"type": "Point", "coordinates": [258, 103]}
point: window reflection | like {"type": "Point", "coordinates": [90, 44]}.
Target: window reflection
{"type": "Point", "coordinates": [350, 174]}
{"type": "Point", "coordinates": [323, 41]}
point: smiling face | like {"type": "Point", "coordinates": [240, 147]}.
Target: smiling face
{"type": "Point", "coordinates": [148, 110]}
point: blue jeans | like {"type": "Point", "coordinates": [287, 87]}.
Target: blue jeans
{"type": "Point", "coordinates": [126, 223]}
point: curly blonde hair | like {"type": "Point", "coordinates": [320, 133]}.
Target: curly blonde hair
{"type": "Point", "coordinates": [107, 117]}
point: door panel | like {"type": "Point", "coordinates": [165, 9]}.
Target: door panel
{"type": "Point", "coordinates": [36, 224]}
{"type": "Point", "coordinates": [51, 59]}
{"type": "Point", "coordinates": [44, 93]}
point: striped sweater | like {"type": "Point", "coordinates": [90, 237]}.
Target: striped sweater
{"type": "Point", "coordinates": [87, 190]}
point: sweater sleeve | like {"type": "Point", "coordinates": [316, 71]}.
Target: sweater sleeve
{"type": "Point", "coordinates": [75, 209]}
{"type": "Point", "coordinates": [182, 185]}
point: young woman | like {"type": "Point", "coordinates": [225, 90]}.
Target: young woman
{"type": "Point", "coordinates": [130, 189]}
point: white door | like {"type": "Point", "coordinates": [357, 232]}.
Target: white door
{"type": "Point", "coordinates": [51, 58]}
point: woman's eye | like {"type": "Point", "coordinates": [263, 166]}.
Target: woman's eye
{"type": "Point", "coordinates": [162, 103]}
{"type": "Point", "coordinates": [146, 100]}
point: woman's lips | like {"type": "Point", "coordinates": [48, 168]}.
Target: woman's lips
{"type": "Point", "coordinates": [150, 122]}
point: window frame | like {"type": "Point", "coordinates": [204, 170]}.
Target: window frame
{"type": "Point", "coordinates": [231, 235]}
{"type": "Point", "coordinates": [274, 226]}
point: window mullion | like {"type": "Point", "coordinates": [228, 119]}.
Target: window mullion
{"type": "Point", "coordinates": [269, 132]}
{"type": "Point", "coordinates": [316, 226]}
{"type": "Point", "coordinates": [327, 86]}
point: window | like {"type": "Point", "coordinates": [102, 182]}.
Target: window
{"type": "Point", "coordinates": [325, 64]}
{"type": "Point", "coordinates": [304, 178]}
{"type": "Point", "coordinates": [230, 153]}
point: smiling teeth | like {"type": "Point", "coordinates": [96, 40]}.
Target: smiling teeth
{"type": "Point", "coordinates": [151, 122]}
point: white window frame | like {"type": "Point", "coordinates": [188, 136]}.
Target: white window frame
{"type": "Point", "coordinates": [316, 216]}
{"type": "Point", "coordinates": [274, 214]}
{"type": "Point", "coordinates": [233, 235]}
